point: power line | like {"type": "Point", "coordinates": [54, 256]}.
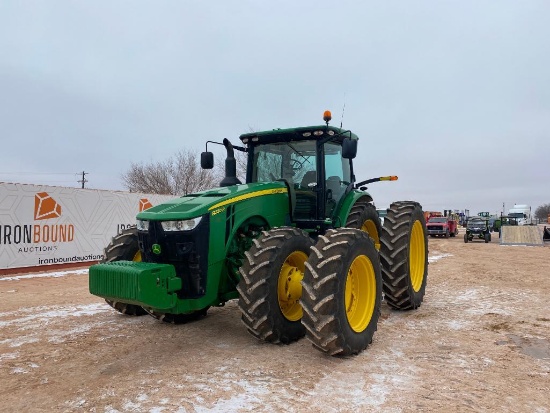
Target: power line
{"type": "Point", "coordinates": [83, 180]}
{"type": "Point", "coordinates": [37, 173]}
{"type": "Point", "coordinates": [37, 182]}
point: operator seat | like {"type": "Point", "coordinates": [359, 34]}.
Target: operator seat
{"type": "Point", "coordinates": [334, 188]}
{"type": "Point", "coordinates": [306, 197]}
{"type": "Point", "coordinates": [334, 184]}
{"type": "Point", "coordinates": [309, 178]}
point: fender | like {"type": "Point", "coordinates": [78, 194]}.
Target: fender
{"type": "Point", "coordinates": [347, 203]}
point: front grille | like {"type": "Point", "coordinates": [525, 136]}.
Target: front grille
{"type": "Point", "coordinates": [187, 251]}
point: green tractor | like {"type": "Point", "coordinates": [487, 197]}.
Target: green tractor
{"type": "Point", "coordinates": [300, 245]}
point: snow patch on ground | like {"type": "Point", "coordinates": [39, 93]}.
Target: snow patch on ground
{"type": "Point", "coordinates": [9, 356]}
{"type": "Point", "coordinates": [434, 258]}
{"type": "Point", "coordinates": [247, 397]}
{"type": "Point", "coordinates": [55, 274]}
{"type": "Point", "coordinates": [46, 323]}
{"type": "Point", "coordinates": [18, 342]}
{"type": "Point", "coordinates": [45, 314]}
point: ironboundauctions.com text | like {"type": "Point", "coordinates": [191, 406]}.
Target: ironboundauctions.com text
{"type": "Point", "coordinates": [75, 258]}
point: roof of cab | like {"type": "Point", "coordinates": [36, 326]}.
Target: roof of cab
{"type": "Point", "coordinates": [294, 134]}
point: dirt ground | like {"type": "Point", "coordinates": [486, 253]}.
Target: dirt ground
{"type": "Point", "coordinates": [480, 342]}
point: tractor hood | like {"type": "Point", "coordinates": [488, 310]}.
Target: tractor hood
{"type": "Point", "coordinates": [201, 203]}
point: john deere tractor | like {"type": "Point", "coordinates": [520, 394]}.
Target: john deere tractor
{"type": "Point", "coordinates": [299, 245]}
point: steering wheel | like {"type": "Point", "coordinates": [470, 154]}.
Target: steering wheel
{"type": "Point", "coordinates": [296, 165]}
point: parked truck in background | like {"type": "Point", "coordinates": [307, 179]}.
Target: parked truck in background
{"type": "Point", "coordinates": [442, 226]}
{"type": "Point", "coordinates": [522, 213]}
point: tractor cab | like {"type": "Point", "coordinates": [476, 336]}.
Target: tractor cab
{"type": "Point", "coordinates": [315, 163]}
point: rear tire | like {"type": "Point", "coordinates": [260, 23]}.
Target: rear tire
{"type": "Point", "coordinates": [487, 238]}
{"type": "Point", "coordinates": [363, 216]}
{"type": "Point", "coordinates": [342, 292]}
{"type": "Point", "coordinates": [270, 286]}
{"type": "Point", "coordinates": [124, 247]}
{"type": "Point", "coordinates": [404, 255]}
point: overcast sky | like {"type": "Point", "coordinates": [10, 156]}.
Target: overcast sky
{"type": "Point", "coordinates": [451, 96]}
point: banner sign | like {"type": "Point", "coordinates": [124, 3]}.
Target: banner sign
{"type": "Point", "coordinates": [44, 225]}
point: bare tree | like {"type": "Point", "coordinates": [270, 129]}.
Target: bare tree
{"type": "Point", "coordinates": [178, 175]}
{"type": "Point", "coordinates": [542, 212]}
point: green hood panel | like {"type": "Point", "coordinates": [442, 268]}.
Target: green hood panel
{"type": "Point", "coordinates": [201, 203]}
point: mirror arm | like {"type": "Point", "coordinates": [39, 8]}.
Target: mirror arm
{"type": "Point", "coordinates": [239, 148]}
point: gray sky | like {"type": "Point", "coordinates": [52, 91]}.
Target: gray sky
{"type": "Point", "coordinates": [451, 96]}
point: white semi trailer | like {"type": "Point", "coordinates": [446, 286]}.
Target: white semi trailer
{"type": "Point", "coordinates": [522, 213]}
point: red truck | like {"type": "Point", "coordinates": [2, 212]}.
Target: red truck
{"type": "Point", "coordinates": [442, 226]}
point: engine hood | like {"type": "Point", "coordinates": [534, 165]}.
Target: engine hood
{"type": "Point", "coordinates": [201, 203]}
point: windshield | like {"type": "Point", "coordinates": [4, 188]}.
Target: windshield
{"type": "Point", "coordinates": [284, 160]}
{"type": "Point", "coordinates": [476, 223]}
{"type": "Point", "coordinates": [296, 162]}
{"type": "Point", "coordinates": [431, 220]}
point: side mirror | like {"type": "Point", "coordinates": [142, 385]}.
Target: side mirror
{"type": "Point", "coordinates": [207, 160]}
{"type": "Point", "coordinates": [349, 148]}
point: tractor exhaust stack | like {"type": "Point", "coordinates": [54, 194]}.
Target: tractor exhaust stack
{"type": "Point", "coordinates": [230, 166]}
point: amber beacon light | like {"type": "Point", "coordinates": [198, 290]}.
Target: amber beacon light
{"type": "Point", "coordinates": [327, 116]}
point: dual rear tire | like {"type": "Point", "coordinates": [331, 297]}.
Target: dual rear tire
{"type": "Point", "coordinates": [342, 292]}
{"type": "Point", "coordinates": [404, 256]}
{"type": "Point", "coordinates": [342, 279]}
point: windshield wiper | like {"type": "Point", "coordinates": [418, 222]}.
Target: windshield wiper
{"type": "Point", "coordinates": [298, 153]}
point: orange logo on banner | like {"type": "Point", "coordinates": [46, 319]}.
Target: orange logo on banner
{"type": "Point", "coordinates": [144, 204]}
{"type": "Point", "coordinates": [45, 207]}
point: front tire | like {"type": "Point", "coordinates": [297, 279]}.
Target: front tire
{"type": "Point", "coordinates": [178, 318]}
{"type": "Point", "coordinates": [124, 247]}
{"type": "Point", "coordinates": [342, 292]}
{"type": "Point", "coordinates": [270, 286]}
{"type": "Point", "coordinates": [404, 255]}
{"type": "Point", "coordinates": [466, 238]}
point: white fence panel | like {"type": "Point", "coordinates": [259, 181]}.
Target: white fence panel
{"type": "Point", "coordinates": [44, 225]}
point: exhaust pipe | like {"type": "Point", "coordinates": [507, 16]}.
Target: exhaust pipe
{"type": "Point", "coordinates": [230, 178]}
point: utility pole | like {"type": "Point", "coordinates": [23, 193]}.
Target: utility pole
{"type": "Point", "coordinates": [83, 180]}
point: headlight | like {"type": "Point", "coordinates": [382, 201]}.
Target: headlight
{"type": "Point", "coordinates": [142, 225]}
{"type": "Point", "coordinates": [186, 225]}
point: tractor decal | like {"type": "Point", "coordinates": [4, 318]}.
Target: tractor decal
{"type": "Point", "coordinates": [249, 196]}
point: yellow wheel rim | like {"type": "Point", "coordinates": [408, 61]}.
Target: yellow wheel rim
{"type": "Point", "coordinates": [370, 228]}
{"type": "Point", "coordinates": [417, 256]}
{"type": "Point", "coordinates": [137, 256]}
{"type": "Point", "coordinates": [360, 293]}
{"type": "Point", "coordinates": [289, 286]}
